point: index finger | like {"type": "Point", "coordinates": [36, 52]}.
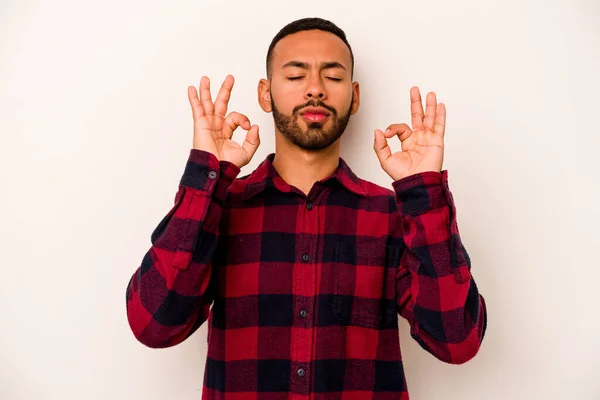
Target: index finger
{"type": "Point", "coordinates": [223, 97]}
{"type": "Point", "coordinates": [416, 108]}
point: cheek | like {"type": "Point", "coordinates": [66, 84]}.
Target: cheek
{"type": "Point", "coordinates": [286, 99]}
{"type": "Point", "coordinates": [341, 98]}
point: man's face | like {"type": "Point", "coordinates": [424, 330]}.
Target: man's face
{"type": "Point", "coordinates": [311, 90]}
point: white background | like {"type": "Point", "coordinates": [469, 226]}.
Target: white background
{"type": "Point", "coordinates": [96, 128]}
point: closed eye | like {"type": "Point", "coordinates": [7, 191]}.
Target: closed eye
{"type": "Point", "coordinates": [295, 78]}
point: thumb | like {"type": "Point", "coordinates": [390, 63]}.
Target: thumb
{"type": "Point", "coordinates": [251, 142]}
{"type": "Point", "coordinates": [381, 147]}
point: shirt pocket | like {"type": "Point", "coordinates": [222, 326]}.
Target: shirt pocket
{"type": "Point", "coordinates": [364, 288]}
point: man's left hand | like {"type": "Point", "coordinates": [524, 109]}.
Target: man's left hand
{"type": "Point", "coordinates": [422, 146]}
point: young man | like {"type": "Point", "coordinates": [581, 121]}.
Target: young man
{"type": "Point", "coordinates": [305, 265]}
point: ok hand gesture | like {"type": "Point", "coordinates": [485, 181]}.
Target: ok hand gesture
{"type": "Point", "coordinates": [422, 147]}
{"type": "Point", "coordinates": [213, 130]}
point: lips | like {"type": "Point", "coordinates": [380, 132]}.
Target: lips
{"type": "Point", "coordinates": [311, 117]}
{"type": "Point", "coordinates": [315, 114]}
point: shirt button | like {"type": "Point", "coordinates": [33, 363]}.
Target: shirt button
{"type": "Point", "coordinates": [212, 174]}
{"type": "Point", "coordinates": [305, 257]}
{"type": "Point", "coordinates": [301, 372]}
{"type": "Point", "coordinates": [309, 206]}
{"type": "Point", "coordinates": [303, 313]}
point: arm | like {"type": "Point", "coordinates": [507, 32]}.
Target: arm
{"type": "Point", "coordinates": [168, 296]}
{"type": "Point", "coordinates": [436, 292]}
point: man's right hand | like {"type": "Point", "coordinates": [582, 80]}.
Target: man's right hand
{"type": "Point", "coordinates": [213, 130]}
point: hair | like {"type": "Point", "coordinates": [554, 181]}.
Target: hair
{"type": "Point", "coordinates": [307, 24]}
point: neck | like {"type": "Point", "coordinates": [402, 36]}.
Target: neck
{"type": "Point", "coordinates": [302, 168]}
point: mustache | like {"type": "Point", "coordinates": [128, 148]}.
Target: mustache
{"type": "Point", "coordinates": [314, 103]}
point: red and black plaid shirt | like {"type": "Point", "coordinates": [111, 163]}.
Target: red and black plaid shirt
{"type": "Point", "coordinates": [306, 289]}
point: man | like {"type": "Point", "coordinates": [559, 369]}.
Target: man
{"type": "Point", "coordinates": [305, 265]}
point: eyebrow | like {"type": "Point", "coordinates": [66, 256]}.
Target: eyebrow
{"type": "Point", "coordinates": [324, 65]}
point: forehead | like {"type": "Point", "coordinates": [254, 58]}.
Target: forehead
{"type": "Point", "coordinates": [311, 46]}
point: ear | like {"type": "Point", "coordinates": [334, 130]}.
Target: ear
{"type": "Point", "coordinates": [264, 95]}
{"type": "Point", "coordinates": [355, 98]}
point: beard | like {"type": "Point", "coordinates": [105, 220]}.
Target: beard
{"type": "Point", "coordinates": [315, 137]}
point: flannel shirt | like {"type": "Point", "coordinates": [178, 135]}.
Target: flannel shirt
{"type": "Point", "coordinates": [302, 292]}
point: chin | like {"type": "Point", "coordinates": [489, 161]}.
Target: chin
{"type": "Point", "coordinates": [317, 143]}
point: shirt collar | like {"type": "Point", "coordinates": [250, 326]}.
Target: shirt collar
{"type": "Point", "coordinates": [265, 177]}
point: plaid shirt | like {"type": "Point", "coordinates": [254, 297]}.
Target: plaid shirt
{"type": "Point", "coordinates": [306, 289]}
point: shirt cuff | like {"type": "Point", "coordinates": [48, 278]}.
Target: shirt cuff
{"type": "Point", "coordinates": [422, 192]}
{"type": "Point", "coordinates": [203, 171]}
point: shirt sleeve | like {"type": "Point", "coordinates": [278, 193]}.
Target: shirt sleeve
{"type": "Point", "coordinates": [435, 289]}
{"type": "Point", "coordinates": [168, 296]}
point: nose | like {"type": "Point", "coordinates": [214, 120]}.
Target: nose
{"type": "Point", "coordinates": [315, 88]}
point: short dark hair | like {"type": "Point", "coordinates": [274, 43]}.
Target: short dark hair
{"type": "Point", "coordinates": [307, 24]}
